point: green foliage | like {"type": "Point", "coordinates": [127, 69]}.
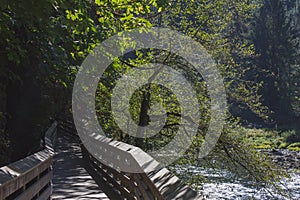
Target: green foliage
{"type": "Point", "coordinates": [233, 153]}
{"type": "Point", "coordinates": [262, 139]}
{"type": "Point", "coordinates": [220, 27]}
{"type": "Point", "coordinates": [276, 38]}
{"type": "Point", "coordinates": [270, 139]}
{"type": "Point", "coordinates": [294, 146]}
{"type": "Point", "coordinates": [291, 136]}
{"type": "Point", "coordinates": [44, 42]}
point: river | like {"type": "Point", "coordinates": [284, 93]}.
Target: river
{"type": "Point", "coordinates": [243, 190]}
{"type": "Point", "coordinates": [225, 185]}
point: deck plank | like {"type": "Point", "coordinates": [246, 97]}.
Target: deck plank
{"type": "Point", "coordinates": [70, 178]}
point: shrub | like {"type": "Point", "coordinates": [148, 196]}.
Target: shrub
{"type": "Point", "coordinates": [294, 146]}
{"type": "Point", "coordinates": [291, 136]}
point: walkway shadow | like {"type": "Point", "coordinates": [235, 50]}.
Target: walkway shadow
{"type": "Point", "coordinates": [70, 178]}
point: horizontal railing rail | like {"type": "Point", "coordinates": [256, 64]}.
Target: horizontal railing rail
{"type": "Point", "coordinates": [157, 185]}
{"type": "Point", "coordinates": [31, 177]}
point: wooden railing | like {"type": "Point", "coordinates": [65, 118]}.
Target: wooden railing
{"type": "Point", "coordinates": [156, 185]}
{"type": "Point", "coordinates": [30, 178]}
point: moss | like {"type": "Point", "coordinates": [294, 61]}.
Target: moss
{"type": "Point", "coordinates": [296, 144]}
{"type": "Point", "coordinates": [293, 148]}
{"type": "Point", "coordinates": [283, 145]}
{"type": "Point", "coordinates": [263, 146]}
{"type": "Point", "coordinates": [260, 138]}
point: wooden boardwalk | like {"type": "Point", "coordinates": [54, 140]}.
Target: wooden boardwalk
{"type": "Point", "coordinates": [70, 178]}
{"type": "Point", "coordinates": [76, 178]}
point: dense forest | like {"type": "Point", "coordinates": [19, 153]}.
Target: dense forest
{"type": "Point", "coordinates": [255, 44]}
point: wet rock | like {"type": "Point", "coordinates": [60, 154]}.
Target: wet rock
{"type": "Point", "coordinates": [285, 158]}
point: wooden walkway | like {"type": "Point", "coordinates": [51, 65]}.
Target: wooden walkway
{"type": "Point", "coordinates": [70, 178]}
{"type": "Point", "coordinates": [76, 178]}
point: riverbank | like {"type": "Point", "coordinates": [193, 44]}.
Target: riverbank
{"type": "Point", "coordinates": [284, 158]}
{"type": "Point", "coordinates": [244, 190]}
{"type": "Point", "coordinates": [260, 138]}
{"type": "Point", "coordinates": [223, 184]}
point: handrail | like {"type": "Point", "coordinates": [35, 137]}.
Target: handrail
{"type": "Point", "coordinates": [157, 185]}
{"type": "Point", "coordinates": [30, 177]}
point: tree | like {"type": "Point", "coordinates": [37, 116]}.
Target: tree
{"type": "Point", "coordinates": [277, 43]}
{"type": "Point", "coordinates": [43, 43]}
{"type": "Point", "coordinates": [44, 54]}
{"type": "Point", "coordinates": [217, 26]}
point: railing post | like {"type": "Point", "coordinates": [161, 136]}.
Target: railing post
{"type": "Point", "coordinates": [33, 172]}
{"type": "Point", "coordinates": [137, 186]}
